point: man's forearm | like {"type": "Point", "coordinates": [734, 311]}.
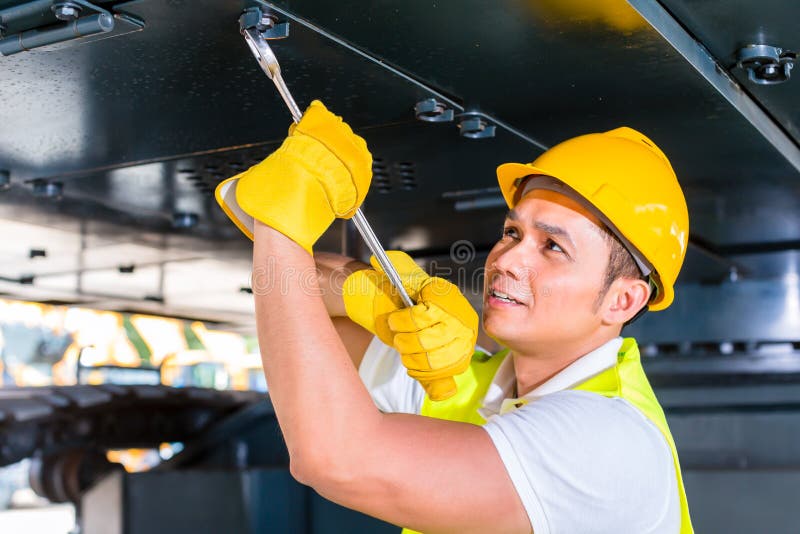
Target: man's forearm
{"type": "Point", "coordinates": [317, 394]}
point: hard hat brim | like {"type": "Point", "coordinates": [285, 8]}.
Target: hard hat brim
{"type": "Point", "coordinates": [509, 173]}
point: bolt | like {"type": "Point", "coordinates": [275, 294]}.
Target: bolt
{"type": "Point", "coordinates": [474, 127]}
{"type": "Point", "coordinates": [431, 110]}
{"type": "Point", "coordinates": [770, 71]}
{"type": "Point", "coordinates": [726, 347]}
{"type": "Point", "coordinates": [766, 65]}
{"type": "Point", "coordinates": [268, 20]}
{"type": "Point", "coordinates": [67, 11]}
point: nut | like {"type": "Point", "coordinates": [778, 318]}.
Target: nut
{"type": "Point", "coordinates": [67, 11]}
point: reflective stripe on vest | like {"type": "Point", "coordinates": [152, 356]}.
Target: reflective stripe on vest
{"type": "Point", "coordinates": [625, 380]}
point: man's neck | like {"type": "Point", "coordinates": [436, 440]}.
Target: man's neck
{"type": "Point", "coordinates": [535, 367]}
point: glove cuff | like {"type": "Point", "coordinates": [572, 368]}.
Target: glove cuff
{"type": "Point", "coordinates": [358, 294]}
{"type": "Point", "coordinates": [225, 194]}
{"type": "Point", "coordinates": [297, 206]}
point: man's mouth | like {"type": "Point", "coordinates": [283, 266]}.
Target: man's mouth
{"type": "Point", "coordinates": [503, 297]}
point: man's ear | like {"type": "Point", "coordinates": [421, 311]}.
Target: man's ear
{"type": "Point", "coordinates": [624, 299]}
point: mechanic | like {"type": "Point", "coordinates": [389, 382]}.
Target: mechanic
{"type": "Point", "coordinates": [391, 411]}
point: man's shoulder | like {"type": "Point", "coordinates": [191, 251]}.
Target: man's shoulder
{"type": "Point", "coordinates": [602, 429]}
{"type": "Point", "coordinates": [591, 410]}
{"type": "Point", "coordinates": [606, 432]}
{"type": "Point", "coordinates": [571, 444]}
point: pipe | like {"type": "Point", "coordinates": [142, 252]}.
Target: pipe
{"type": "Point", "coordinates": [13, 13]}
{"type": "Point", "coordinates": [82, 27]}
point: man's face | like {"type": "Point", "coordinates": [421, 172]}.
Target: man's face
{"type": "Point", "coordinates": [544, 276]}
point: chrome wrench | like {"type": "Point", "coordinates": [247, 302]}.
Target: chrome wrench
{"type": "Point", "coordinates": [269, 64]}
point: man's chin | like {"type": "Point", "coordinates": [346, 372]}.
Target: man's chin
{"type": "Point", "coordinates": [503, 331]}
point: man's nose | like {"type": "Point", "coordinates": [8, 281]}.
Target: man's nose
{"type": "Point", "coordinates": [514, 261]}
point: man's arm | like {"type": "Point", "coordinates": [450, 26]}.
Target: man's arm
{"type": "Point", "coordinates": [333, 271]}
{"type": "Point", "coordinates": [424, 473]}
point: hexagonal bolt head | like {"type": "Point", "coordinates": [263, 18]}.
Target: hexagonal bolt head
{"type": "Point", "coordinates": [268, 20]}
{"type": "Point", "coordinates": [67, 11]}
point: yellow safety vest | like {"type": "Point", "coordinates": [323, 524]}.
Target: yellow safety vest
{"type": "Point", "coordinates": [625, 380]}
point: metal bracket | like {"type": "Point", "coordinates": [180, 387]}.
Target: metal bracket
{"type": "Point", "coordinates": [474, 127]}
{"type": "Point", "coordinates": [431, 110]}
{"type": "Point", "coordinates": [766, 65]}
{"type": "Point", "coordinates": [70, 27]}
{"type": "Point", "coordinates": [265, 21]}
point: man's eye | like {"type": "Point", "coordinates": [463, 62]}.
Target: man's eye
{"type": "Point", "coordinates": [552, 245]}
{"type": "Point", "coordinates": [509, 232]}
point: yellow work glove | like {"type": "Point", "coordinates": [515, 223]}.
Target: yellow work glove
{"type": "Point", "coordinates": [435, 338]}
{"type": "Point", "coordinates": [368, 293]}
{"type": "Point", "coordinates": [320, 172]}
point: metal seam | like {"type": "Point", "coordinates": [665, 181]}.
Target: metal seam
{"type": "Point", "coordinates": [699, 57]}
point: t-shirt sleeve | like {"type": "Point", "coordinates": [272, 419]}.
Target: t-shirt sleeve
{"type": "Point", "coordinates": [585, 463]}
{"type": "Point", "coordinates": [387, 381]}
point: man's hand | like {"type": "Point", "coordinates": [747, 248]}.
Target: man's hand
{"type": "Point", "coordinates": [435, 338]}
{"type": "Point", "coordinates": [369, 296]}
{"type": "Point", "coordinates": [320, 172]}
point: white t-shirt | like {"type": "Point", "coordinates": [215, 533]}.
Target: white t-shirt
{"type": "Point", "coordinates": [580, 462]}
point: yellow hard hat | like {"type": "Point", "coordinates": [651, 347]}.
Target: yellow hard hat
{"type": "Point", "coordinates": [630, 184]}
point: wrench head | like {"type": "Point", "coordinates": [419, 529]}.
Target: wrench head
{"type": "Point", "coordinates": [262, 52]}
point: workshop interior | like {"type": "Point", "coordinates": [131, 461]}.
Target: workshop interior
{"type": "Point", "coordinates": [131, 383]}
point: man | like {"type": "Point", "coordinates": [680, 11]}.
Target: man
{"type": "Point", "coordinates": [559, 433]}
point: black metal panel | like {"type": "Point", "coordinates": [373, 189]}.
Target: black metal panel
{"type": "Point", "coordinates": [185, 84]}
{"type": "Point", "coordinates": [122, 121]}
{"type": "Point", "coordinates": [725, 26]}
{"type": "Point", "coordinates": [558, 69]}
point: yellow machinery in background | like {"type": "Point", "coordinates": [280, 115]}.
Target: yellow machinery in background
{"type": "Point", "coordinates": [100, 349]}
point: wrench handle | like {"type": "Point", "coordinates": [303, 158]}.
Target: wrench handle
{"type": "Point", "coordinates": [269, 64]}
